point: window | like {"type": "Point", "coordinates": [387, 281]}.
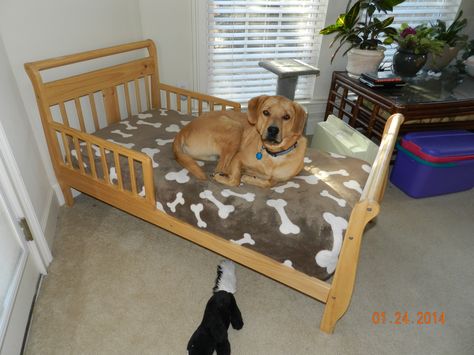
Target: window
{"type": "Point", "coordinates": [416, 12]}
{"type": "Point", "coordinates": [242, 33]}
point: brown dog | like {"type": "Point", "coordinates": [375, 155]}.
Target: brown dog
{"type": "Point", "coordinates": [262, 147]}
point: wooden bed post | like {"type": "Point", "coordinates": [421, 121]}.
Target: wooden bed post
{"type": "Point", "coordinates": [46, 119]}
{"type": "Point", "coordinates": [155, 78]}
{"type": "Point", "coordinates": [344, 279]}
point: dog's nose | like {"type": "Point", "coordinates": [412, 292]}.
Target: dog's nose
{"type": "Point", "coordinates": [273, 131]}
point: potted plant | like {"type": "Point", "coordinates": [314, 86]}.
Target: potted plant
{"type": "Point", "coordinates": [452, 37]}
{"type": "Point", "coordinates": [361, 31]}
{"type": "Point", "coordinates": [414, 44]}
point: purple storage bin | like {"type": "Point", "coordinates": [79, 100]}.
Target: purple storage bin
{"type": "Point", "coordinates": [441, 146]}
{"type": "Point", "coordinates": [419, 178]}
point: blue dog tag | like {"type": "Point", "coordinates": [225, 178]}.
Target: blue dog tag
{"type": "Point", "coordinates": [258, 155]}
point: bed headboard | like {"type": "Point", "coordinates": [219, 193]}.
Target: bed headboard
{"type": "Point", "coordinates": [80, 100]}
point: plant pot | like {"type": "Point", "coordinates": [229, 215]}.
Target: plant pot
{"type": "Point", "coordinates": [407, 63]}
{"type": "Point", "coordinates": [363, 61]}
{"type": "Point", "coordinates": [438, 62]}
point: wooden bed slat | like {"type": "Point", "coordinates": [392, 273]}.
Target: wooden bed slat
{"type": "Point", "coordinates": [128, 103]}
{"type": "Point", "coordinates": [95, 117]}
{"type": "Point", "coordinates": [147, 91]}
{"type": "Point", "coordinates": [118, 170]}
{"type": "Point", "coordinates": [133, 180]}
{"type": "Point", "coordinates": [62, 109]}
{"type": "Point", "coordinates": [137, 96]}
{"type": "Point", "coordinates": [80, 116]}
{"type": "Point", "coordinates": [66, 149]}
{"type": "Point", "coordinates": [91, 160]}
{"type": "Point", "coordinates": [79, 154]}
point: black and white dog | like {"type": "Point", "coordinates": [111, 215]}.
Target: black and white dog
{"type": "Point", "coordinates": [221, 310]}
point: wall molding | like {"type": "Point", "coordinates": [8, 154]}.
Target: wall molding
{"type": "Point", "coordinates": [49, 218]}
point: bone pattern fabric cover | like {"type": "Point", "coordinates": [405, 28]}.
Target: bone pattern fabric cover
{"type": "Point", "coordinates": [300, 223]}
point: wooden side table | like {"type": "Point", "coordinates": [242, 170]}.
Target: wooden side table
{"type": "Point", "coordinates": [427, 103]}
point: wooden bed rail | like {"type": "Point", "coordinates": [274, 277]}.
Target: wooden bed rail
{"type": "Point", "coordinates": [363, 212]}
{"type": "Point", "coordinates": [196, 103]}
{"type": "Point", "coordinates": [79, 145]}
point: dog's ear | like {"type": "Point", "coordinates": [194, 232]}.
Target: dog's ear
{"type": "Point", "coordinates": [300, 118]}
{"type": "Point", "coordinates": [252, 109]}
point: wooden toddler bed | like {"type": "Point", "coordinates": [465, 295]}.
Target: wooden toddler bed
{"type": "Point", "coordinates": [109, 132]}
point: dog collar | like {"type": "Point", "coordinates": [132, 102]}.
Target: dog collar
{"type": "Point", "coordinates": [259, 154]}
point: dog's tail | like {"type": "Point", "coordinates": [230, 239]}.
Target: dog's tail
{"type": "Point", "coordinates": [186, 160]}
{"type": "Point", "coordinates": [225, 280]}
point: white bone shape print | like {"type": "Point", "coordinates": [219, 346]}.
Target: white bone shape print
{"type": "Point", "coordinates": [340, 201]}
{"type": "Point", "coordinates": [247, 239]}
{"type": "Point", "coordinates": [178, 201]}
{"type": "Point", "coordinates": [159, 206]}
{"type": "Point", "coordinates": [307, 160]}
{"type": "Point", "coordinates": [328, 258]}
{"type": "Point", "coordinates": [197, 209]}
{"type": "Point", "coordinates": [281, 189]}
{"type": "Point", "coordinates": [181, 176]}
{"type": "Point", "coordinates": [142, 192]}
{"type": "Point", "coordinates": [184, 123]}
{"type": "Point", "coordinates": [163, 141]}
{"type": "Point", "coordinates": [224, 210]}
{"type": "Point", "coordinates": [74, 154]}
{"type": "Point", "coordinates": [156, 125]}
{"type": "Point", "coordinates": [120, 133]}
{"type": "Point", "coordinates": [172, 128]}
{"type": "Point", "coordinates": [128, 127]}
{"type": "Point", "coordinates": [145, 115]}
{"type": "Point", "coordinates": [247, 196]}
{"type": "Point", "coordinates": [112, 174]}
{"type": "Point", "coordinates": [324, 174]}
{"type": "Point", "coordinates": [163, 112]}
{"type": "Point", "coordinates": [126, 145]}
{"type": "Point", "coordinates": [288, 263]}
{"type": "Point", "coordinates": [151, 152]}
{"type": "Point", "coordinates": [286, 226]}
{"type": "Point", "coordinates": [367, 168]}
{"type": "Point", "coordinates": [353, 185]}
{"type": "Point", "coordinates": [309, 179]}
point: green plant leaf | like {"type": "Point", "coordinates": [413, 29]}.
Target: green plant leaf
{"type": "Point", "coordinates": [352, 16]}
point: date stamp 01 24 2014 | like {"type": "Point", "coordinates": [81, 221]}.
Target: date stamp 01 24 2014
{"type": "Point", "coordinates": [406, 318]}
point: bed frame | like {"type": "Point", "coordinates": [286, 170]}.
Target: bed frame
{"type": "Point", "coordinates": [81, 101]}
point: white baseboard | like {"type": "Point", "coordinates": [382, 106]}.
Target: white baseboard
{"type": "Point", "coordinates": [50, 216]}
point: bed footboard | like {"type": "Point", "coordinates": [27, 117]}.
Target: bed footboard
{"type": "Point", "coordinates": [364, 211]}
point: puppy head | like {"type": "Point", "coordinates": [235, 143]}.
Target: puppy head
{"type": "Point", "coordinates": [278, 120]}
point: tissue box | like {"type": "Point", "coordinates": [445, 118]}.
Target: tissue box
{"type": "Point", "coordinates": [336, 136]}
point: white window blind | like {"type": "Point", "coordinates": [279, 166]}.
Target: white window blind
{"type": "Point", "coordinates": [416, 12]}
{"type": "Point", "coordinates": [242, 33]}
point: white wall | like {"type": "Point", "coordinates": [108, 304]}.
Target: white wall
{"type": "Point", "coordinates": [169, 23]}
{"type": "Point", "coordinates": [34, 30]}
{"type": "Point", "coordinates": [21, 139]}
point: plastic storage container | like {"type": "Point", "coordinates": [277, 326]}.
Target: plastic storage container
{"type": "Point", "coordinates": [440, 146]}
{"type": "Point", "coordinates": [336, 136]}
{"type": "Point", "coordinates": [420, 178]}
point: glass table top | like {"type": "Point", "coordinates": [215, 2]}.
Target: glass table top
{"type": "Point", "coordinates": [450, 86]}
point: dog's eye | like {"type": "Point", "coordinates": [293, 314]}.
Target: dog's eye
{"type": "Point", "coordinates": [286, 117]}
{"type": "Point", "coordinates": [266, 112]}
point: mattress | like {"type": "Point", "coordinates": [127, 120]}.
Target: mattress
{"type": "Point", "coordinates": [300, 223]}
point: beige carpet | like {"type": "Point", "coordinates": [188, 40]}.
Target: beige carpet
{"type": "Point", "coordinates": [119, 285]}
